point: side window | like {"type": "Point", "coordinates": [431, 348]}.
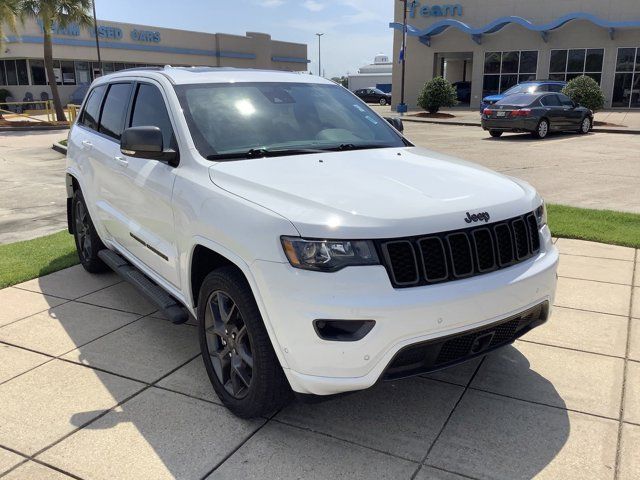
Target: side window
{"type": "Point", "coordinates": [566, 101]}
{"type": "Point", "coordinates": [557, 88]}
{"type": "Point", "coordinates": [551, 101]}
{"type": "Point", "coordinates": [115, 109]}
{"type": "Point", "coordinates": [91, 113]}
{"type": "Point", "coordinates": [149, 109]}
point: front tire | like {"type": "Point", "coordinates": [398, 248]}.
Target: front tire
{"type": "Point", "coordinates": [542, 130]}
{"type": "Point", "coordinates": [585, 126]}
{"type": "Point", "coordinates": [495, 133]}
{"type": "Point", "coordinates": [236, 349]}
{"type": "Point", "coordinates": [88, 243]}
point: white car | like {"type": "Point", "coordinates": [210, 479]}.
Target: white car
{"type": "Point", "coordinates": [319, 250]}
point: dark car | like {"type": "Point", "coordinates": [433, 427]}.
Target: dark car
{"type": "Point", "coordinates": [538, 113]}
{"type": "Point", "coordinates": [463, 90]}
{"type": "Point", "coordinates": [533, 86]}
{"type": "Point", "coordinates": [374, 95]}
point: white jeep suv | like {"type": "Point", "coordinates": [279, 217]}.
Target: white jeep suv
{"type": "Point", "coordinates": [319, 250]}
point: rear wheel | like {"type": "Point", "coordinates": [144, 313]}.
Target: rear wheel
{"type": "Point", "coordinates": [237, 353]}
{"type": "Point", "coordinates": [585, 126]}
{"type": "Point", "coordinates": [495, 133]}
{"type": "Point", "coordinates": [383, 101]}
{"type": "Point", "coordinates": [88, 243]}
{"type": "Point", "coordinates": [542, 130]}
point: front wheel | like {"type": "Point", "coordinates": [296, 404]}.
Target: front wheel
{"type": "Point", "coordinates": [383, 101]}
{"type": "Point", "coordinates": [495, 133]}
{"type": "Point", "coordinates": [542, 130]}
{"type": "Point", "coordinates": [237, 353]}
{"type": "Point", "coordinates": [88, 243]}
{"type": "Point", "coordinates": [585, 126]}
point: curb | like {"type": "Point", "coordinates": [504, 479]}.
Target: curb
{"type": "Point", "coordinates": [477, 124]}
{"type": "Point", "coordinates": [58, 147]}
{"type": "Point", "coordinates": [32, 129]}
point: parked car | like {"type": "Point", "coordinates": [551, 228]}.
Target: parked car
{"type": "Point", "coordinates": [464, 91]}
{"type": "Point", "coordinates": [318, 249]}
{"type": "Point", "coordinates": [534, 86]}
{"type": "Point", "coordinates": [537, 113]}
{"type": "Point", "coordinates": [373, 95]}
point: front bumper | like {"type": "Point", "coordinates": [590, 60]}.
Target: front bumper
{"type": "Point", "coordinates": [293, 298]}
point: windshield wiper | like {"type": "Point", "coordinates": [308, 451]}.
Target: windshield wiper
{"type": "Point", "coordinates": [264, 152]}
{"type": "Point", "coordinates": [360, 146]}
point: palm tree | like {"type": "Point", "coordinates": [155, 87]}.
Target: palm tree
{"type": "Point", "coordinates": [61, 13]}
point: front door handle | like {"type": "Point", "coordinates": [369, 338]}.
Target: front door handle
{"type": "Point", "coordinates": [122, 161]}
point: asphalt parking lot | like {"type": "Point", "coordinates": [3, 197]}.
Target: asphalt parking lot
{"type": "Point", "coordinates": [599, 170]}
{"type": "Point", "coordinates": [95, 385]}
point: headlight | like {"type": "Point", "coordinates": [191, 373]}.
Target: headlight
{"type": "Point", "coordinates": [328, 255]}
{"type": "Point", "coordinates": [541, 215]}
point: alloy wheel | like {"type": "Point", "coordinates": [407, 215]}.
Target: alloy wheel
{"type": "Point", "coordinates": [229, 344]}
{"type": "Point", "coordinates": [586, 125]}
{"type": "Point", "coordinates": [83, 230]}
{"type": "Point", "coordinates": [543, 129]}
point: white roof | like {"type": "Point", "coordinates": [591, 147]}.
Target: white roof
{"type": "Point", "coordinates": [190, 75]}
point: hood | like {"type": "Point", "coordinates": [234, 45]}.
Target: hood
{"type": "Point", "coordinates": [379, 193]}
{"type": "Point", "coordinates": [493, 98]}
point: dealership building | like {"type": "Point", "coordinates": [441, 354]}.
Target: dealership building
{"type": "Point", "coordinates": [495, 45]}
{"type": "Point", "coordinates": [124, 45]}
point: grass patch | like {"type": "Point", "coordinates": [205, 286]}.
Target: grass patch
{"type": "Point", "coordinates": [22, 261]}
{"type": "Point", "coordinates": [63, 142]}
{"type": "Point", "coordinates": [605, 226]}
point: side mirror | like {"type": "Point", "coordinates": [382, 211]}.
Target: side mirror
{"type": "Point", "coordinates": [575, 105]}
{"type": "Point", "coordinates": [146, 142]}
{"type": "Point", "coordinates": [395, 123]}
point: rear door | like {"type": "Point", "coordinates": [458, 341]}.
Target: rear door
{"type": "Point", "coordinates": [150, 235]}
{"type": "Point", "coordinates": [554, 111]}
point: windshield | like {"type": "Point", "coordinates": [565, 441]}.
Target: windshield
{"type": "Point", "coordinates": [231, 118]}
{"type": "Point", "coordinates": [522, 88]}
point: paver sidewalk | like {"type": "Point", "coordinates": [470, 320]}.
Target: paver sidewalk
{"type": "Point", "coordinates": [95, 385]}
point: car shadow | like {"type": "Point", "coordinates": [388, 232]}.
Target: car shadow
{"type": "Point", "coordinates": [526, 137]}
{"type": "Point", "coordinates": [410, 418]}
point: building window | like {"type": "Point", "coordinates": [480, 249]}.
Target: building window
{"type": "Point", "coordinates": [565, 65]}
{"type": "Point", "coordinates": [626, 86]}
{"type": "Point", "coordinates": [83, 73]}
{"type": "Point", "coordinates": [38, 73]}
{"type": "Point", "coordinates": [12, 75]}
{"type": "Point", "coordinates": [503, 70]}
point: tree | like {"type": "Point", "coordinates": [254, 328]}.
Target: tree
{"type": "Point", "coordinates": [437, 93]}
{"type": "Point", "coordinates": [344, 81]}
{"type": "Point", "coordinates": [585, 91]}
{"type": "Point", "coordinates": [61, 13]}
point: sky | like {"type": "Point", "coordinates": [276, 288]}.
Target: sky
{"type": "Point", "coordinates": [354, 30]}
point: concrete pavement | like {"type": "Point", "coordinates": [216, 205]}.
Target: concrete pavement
{"type": "Point", "coordinates": [32, 197]}
{"type": "Point", "coordinates": [95, 385]}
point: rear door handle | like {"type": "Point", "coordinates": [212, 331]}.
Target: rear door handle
{"type": "Point", "coordinates": [122, 161]}
{"type": "Point", "coordinates": [87, 145]}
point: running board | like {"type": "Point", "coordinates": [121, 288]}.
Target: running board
{"type": "Point", "coordinates": [154, 293]}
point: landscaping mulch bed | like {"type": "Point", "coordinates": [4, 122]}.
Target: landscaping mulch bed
{"type": "Point", "coordinates": [27, 123]}
{"type": "Point", "coordinates": [432, 115]}
{"type": "Point", "coordinates": [596, 123]}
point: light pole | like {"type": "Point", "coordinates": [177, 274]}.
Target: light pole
{"type": "Point", "coordinates": [402, 107]}
{"type": "Point", "coordinates": [95, 30]}
{"type": "Point", "coordinates": [319, 54]}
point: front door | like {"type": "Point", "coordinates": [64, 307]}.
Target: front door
{"type": "Point", "coordinates": [151, 235]}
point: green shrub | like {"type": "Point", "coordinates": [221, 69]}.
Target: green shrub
{"type": "Point", "coordinates": [437, 93]}
{"type": "Point", "coordinates": [4, 93]}
{"type": "Point", "coordinates": [585, 91]}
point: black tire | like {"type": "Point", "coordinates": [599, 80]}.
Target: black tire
{"type": "Point", "coordinates": [585, 126]}
{"type": "Point", "coordinates": [242, 336]}
{"type": "Point", "coordinates": [88, 243]}
{"type": "Point", "coordinates": [495, 133]}
{"type": "Point", "coordinates": [383, 101]}
{"type": "Point", "coordinates": [542, 130]}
